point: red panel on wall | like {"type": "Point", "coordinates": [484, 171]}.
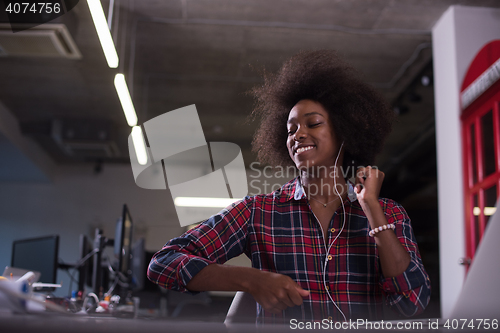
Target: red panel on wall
{"type": "Point", "coordinates": [481, 142]}
{"type": "Point", "coordinates": [484, 59]}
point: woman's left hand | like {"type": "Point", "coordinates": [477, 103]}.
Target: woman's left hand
{"type": "Point", "coordinates": [394, 259]}
{"type": "Point", "coordinates": [368, 184]}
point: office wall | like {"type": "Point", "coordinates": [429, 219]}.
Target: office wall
{"type": "Point", "coordinates": [457, 37]}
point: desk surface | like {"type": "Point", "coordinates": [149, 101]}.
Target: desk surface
{"type": "Point", "coordinates": [55, 323]}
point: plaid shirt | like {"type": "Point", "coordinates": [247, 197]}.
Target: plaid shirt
{"type": "Point", "coordinates": [279, 233]}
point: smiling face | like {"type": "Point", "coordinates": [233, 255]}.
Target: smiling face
{"type": "Point", "coordinates": [311, 138]}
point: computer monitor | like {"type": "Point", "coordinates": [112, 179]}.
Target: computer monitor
{"type": "Point", "coordinates": [99, 275]}
{"type": "Point", "coordinates": [122, 250]}
{"type": "Point", "coordinates": [138, 266]}
{"type": "Point", "coordinates": [123, 242]}
{"type": "Point", "coordinates": [37, 254]}
{"type": "Point", "coordinates": [85, 263]}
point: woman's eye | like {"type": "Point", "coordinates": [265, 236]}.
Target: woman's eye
{"type": "Point", "coordinates": [315, 124]}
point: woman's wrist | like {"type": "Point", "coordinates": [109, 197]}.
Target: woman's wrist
{"type": "Point", "coordinates": [369, 204]}
{"type": "Point", "coordinates": [369, 200]}
{"type": "Point", "coordinates": [373, 212]}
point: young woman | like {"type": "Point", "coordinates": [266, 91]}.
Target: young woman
{"type": "Point", "coordinates": [321, 247]}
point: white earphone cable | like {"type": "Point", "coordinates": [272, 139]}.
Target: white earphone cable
{"type": "Point", "coordinates": [330, 246]}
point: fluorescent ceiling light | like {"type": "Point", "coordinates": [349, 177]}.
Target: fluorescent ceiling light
{"type": "Point", "coordinates": [476, 211]}
{"type": "Point", "coordinates": [203, 202]}
{"type": "Point", "coordinates": [125, 100]}
{"type": "Point", "coordinates": [139, 145]}
{"type": "Point", "coordinates": [488, 211]}
{"type": "Point", "coordinates": [103, 32]}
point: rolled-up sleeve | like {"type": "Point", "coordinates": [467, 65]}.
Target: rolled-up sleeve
{"type": "Point", "coordinates": [408, 293]}
{"type": "Point", "coordinates": [218, 239]}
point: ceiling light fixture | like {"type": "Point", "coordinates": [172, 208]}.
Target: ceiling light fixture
{"type": "Point", "coordinates": [488, 211]}
{"type": "Point", "coordinates": [125, 99]}
{"type": "Point", "coordinates": [203, 202]}
{"type": "Point", "coordinates": [426, 80]}
{"type": "Point", "coordinates": [139, 145]}
{"type": "Point", "coordinates": [103, 32]}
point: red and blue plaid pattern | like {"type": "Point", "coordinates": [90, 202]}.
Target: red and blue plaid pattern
{"type": "Point", "coordinates": [280, 234]}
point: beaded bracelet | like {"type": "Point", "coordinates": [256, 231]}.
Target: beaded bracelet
{"type": "Point", "coordinates": [379, 229]}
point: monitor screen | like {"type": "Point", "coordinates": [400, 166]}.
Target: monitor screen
{"type": "Point", "coordinates": [138, 266]}
{"type": "Point", "coordinates": [123, 242]}
{"type": "Point", "coordinates": [37, 254]}
{"type": "Point", "coordinates": [85, 263]}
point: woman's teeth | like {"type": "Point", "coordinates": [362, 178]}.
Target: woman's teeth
{"type": "Point", "coordinates": [303, 149]}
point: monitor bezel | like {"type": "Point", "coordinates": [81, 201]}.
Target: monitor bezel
{"type": "Point", "coordinates": [34, 239]}
{"type": "Point", "coordinates": [121, 259]}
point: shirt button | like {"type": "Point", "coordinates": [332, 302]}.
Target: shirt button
{"type": "Point", "coordinates": [330, 318]}
{"type": "Point", "coordinates": [327, 288]}
{"type": "Point", "coordinates": [332, 230]}
{"type": "Point", "coordinates": [329, 257]}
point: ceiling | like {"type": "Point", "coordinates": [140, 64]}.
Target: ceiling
{"type": "Point", "coordinates": [210, 52]}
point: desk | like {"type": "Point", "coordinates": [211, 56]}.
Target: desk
{"type": "Point", "coordinates": [55, 323]}
{"type": "Point", "coordinates": [46, 322]}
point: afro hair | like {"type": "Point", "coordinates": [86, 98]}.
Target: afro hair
{"type": "Point", "coordinates": [359, 115]}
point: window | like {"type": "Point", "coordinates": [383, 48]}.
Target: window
{"type": "Point", "coordinates": [481, 148]}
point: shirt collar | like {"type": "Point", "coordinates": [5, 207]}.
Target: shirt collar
{"type": "Point", "coordinates": [299, 192]}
